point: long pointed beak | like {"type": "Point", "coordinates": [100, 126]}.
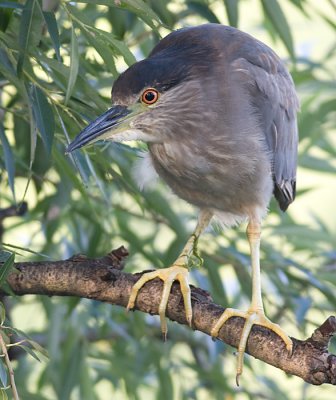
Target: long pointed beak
{"type": "Point", "coordinates": [112, 118]}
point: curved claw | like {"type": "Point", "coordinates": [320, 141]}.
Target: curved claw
{"type": "Point", "coordinates": [168, 276]}
{"type": "Point", "coordinates": [252, 317]}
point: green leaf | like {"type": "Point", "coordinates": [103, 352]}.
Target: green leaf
{"type": "Point", "coordinates": [302, 306]}
{"type": "Point", "coordinates": [29, 351]}
{"type": "Point", "coordinates": [33, 142]}
{"type": "Point", "coordinates": [319, 164]}
{"type": "Point", "coordinates": [203, 10]}
{"type": "Point", "coordinates": [6, 268]}
{"type": "Point", "coordinates": [218, 290]}
{"type": "Point", "coordinates": [72, 369]}
{"type": "Point", "coordinates": [25, 31]}
{"type": "Point", "coordinates": [86, 381]}
{"type": "Point", "coordinates": [116, 44]}
{"type": "Point", "coordinates": [3, 373]}
{"type": "Point", "coordinates": [277, 18]}
{"type": "Point", "coordinates": [8, 4]}
{"type": "Point", "coordinates": [7, 69]}
{"type": "Point", "coordinates": [4, 255]}
{"type": "Point", "coordinates": [6, 13]}
{"type": "Point", "coordinates": [13, 246]}
{"type": "Point", "coordinates": [101, 39]}
{"type": "Point", "coordinates": [9, 159]}
{"type": "Point", "coordinates": [44, 116]}
{"type": "Point", "coordinates": [142, 9]}
{"type": "Point", "coordinates": [74, 64]}
{"type": "Point", "coordinates": [231, 7]}
{"type": "Point", "coordinates": [166, 389]}
{"type": "Point", "coordinates": [51, 23]}
{"type": "Point", "coordinates": [4, 395]}
{"type": "Point", "coordinates": [2, 313]}
{"type": "Point", "coordinates": [138, 7]}
{"type": "Point", "coordinates": [38, 347]}
{"type": "Point", "coordinates": [101, 48]}
{"type": "Point", "coordinates": [87, 94]}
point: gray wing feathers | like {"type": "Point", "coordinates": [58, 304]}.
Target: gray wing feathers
{"type": "Point", "coordinates": [274, 98]}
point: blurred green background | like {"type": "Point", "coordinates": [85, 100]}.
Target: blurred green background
{"type": "Point", "coordinates": [58, 61]}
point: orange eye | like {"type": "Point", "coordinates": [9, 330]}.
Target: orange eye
{"type": "Point", "coordinates": [150, 96]}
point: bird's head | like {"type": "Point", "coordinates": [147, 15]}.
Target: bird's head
{"type": "Point", "coordinates": [156, 98]}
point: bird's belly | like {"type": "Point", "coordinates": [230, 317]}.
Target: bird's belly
{"type": "Point", "coordinates": [230, 186]}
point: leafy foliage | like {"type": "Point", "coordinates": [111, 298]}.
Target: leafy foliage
{"type": "Point", "coordinates": [58, 61]}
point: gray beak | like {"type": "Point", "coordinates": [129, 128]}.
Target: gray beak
{"type": "Point", "coordinates": [112, 118]}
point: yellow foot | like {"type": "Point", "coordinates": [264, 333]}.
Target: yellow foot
{"type": "Point", "coordinates": [168, 276]}
{"type": "Point", "coordinates": [253, 317]}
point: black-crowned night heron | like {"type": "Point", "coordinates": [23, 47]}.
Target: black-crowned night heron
{"type": "Point", "coordinates": [217, 109]}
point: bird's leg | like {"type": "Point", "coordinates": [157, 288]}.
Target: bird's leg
{"type": "Point", "coordinates": [190, 256]}
{"type": "Point", "coordinates": [255, 313]}
{"type": "Point", "coordinates": [177, 272]}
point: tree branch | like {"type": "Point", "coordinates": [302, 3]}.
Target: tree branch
{"type": "Point", "coordinates": [103, 280]}
{"type": "Point", "coordinates": [13, 211]}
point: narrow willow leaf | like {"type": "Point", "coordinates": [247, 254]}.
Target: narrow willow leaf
{"type": "Point", "coordinates": [2, 313]}
{"type": "Point", "coordinates": [4, 254]}
{"type": "Point", "coordinates": [4, 395]}
{"type": "Point", "coordinates": [86, 382]}
{"type": "Point", "coordinates": [33, 135]}
{"type": "Point", "coordinates": [144, 11]}
{"type": "Point", "coordinates": [104, 51]}
{"type": "Point", "coordinates": [166, 390]}
{"type": "Point", "coordinates": [44, 116]}
{"type": "Point", "coordinates": [7, 69]}
{"type": "Point", "coordinates": [99, 39]}
{"type": "Point", "coordinates": [74, 64]}
{"type": "Point", "coordinates": [9, 160]}
{"type": "Point", "coordinates": [329, 21]}
{"type": "Point", "coordinates": [12, 246]}
{"type": "Point", "coordinates": [59, 70]}
{"type": "Point", "coordinates": [8, 4]}
{"type": "Point", "coordinates": [29, 351]}
{"type": "Point", "coordinates": [76, 158]}
{"type": "Point", "coordinates": [302, 306]}
{"type": "Point", "coordinates": [17, 332]}
{"type": "Point", "coordinates": [231, 7]}
{"type": "Point", "coordinates": [51, 23]}
{"type": "Point", "coordinates": [299, 4]}
{"type": "Point", "coordinates": [138, 7]}
{"type": "Point", "coordinates": [72, 369]}
{"type": "Point", "coordinates": [38, 348]}
{"type": "Point", "coordinates": [6, 268]}
{"type": "Point", "coordinates": [277, 18]}
{"type": "Point", "coordinates": [3, 373]}
{"type": "Point", "coordinates": [117, 45]}
{"type": "Point", "coordinates": [319, 164]}
{"type": "Point", "coordinates": [24, 34]}
{"type": "Point", "coordinates": [6, 12]}
{"type": "Point", "coordinates": [203, 10]}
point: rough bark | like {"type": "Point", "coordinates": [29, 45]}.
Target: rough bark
{"type": "Point", "coordinates": [103, 280]}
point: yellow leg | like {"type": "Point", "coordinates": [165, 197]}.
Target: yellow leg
{"type": "Point", "coordinates": [177, 272]}
{"type": "Point", "coordinates": [255, 313]}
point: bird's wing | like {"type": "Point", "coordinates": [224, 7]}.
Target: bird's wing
{"type": "Point", "coordinates": [274, 99]}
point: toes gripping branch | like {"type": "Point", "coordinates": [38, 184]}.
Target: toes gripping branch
{"type": "Point", "coordinates": [168, 276]}
{"type": "Point", "coordinates": [177, 272]}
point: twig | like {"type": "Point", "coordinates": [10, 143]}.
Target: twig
{"type": "Point", "coordinates": [10, 369]}
{"type": "Point", "coordinates": [103, 280]}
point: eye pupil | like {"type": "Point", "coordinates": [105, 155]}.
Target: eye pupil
{"type": "Point", "coordinates": [150, 96]}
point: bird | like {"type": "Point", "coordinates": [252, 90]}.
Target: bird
{"type": "Point", "coordinates": [217, 109]}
